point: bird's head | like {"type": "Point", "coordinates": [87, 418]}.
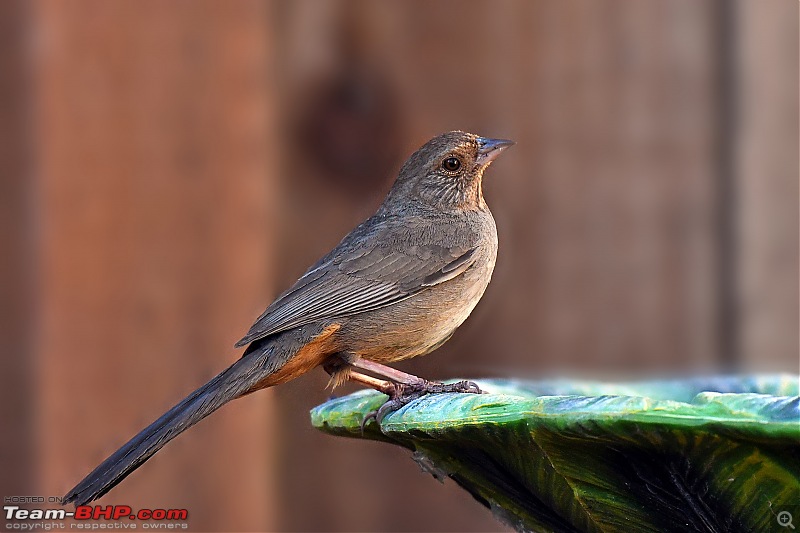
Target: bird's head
{"type": "Point", "coordinates": [446, 172]}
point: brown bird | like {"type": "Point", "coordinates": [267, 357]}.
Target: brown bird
{"type": "Point", "coordinates": [397, 286]}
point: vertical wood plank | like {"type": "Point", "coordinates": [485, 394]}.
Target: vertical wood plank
{"type": "Point", "coordinates": [358, 48]}
{"type": "Point", "coordinates": [155, 187]}
{"type": "Point", "coordinates": [766, 167]}
{"type": "Point", "coordinates": [17, 262]}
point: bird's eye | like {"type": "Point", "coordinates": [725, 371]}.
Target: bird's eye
{"type": "Point", "coordinates": [451, 164]}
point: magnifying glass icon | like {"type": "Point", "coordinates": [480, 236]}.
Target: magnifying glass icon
{"type": "Point", "coordinates": [785, 519]}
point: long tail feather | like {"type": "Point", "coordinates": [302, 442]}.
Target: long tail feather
{"type": "Point", "coordinates": [237, 380]}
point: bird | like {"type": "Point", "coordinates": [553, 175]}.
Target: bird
{"type": "Point", "coordinates": [397, 286]}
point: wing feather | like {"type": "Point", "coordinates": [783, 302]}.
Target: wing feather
{"type": "Point", "coordinates": [348, 282]}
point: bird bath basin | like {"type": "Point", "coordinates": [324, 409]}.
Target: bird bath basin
{"type": "Point", "coordinates": [703, 454]}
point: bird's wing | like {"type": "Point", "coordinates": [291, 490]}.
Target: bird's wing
{"type": "Point", "coordinates": [365, 278]}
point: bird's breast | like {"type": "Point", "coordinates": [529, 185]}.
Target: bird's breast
{"type": "Point", "coordinates": [421, 323]}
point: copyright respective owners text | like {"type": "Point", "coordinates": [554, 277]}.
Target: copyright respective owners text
{"type": "Point", "coordinates": [46, 513]}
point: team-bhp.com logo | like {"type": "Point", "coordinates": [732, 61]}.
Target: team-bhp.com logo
{"type": "Point", "coordinates": [90, 517]}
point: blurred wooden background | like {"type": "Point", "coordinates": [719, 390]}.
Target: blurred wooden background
{"type": "Point", "coordinates": [168, 167]}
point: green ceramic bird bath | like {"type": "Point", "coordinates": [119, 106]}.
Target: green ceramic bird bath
{"type": "Point", "coordinates": [709, 454]}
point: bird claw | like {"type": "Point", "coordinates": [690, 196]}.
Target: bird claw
{"type": "Point", "coordinates": [391, 405]}
{"type": "Point", "coordinates": [406, 394]}
{"type": "Point", "coordinates": [372, 415]}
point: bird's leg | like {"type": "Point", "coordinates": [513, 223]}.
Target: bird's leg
{"type": "Point", "coordinates": [397, 392]}
{"type": "Point", "coordinates": [414, 383]}
{"type": "Point", "coordinates": [388, 372]}
{"type": "Point", "coordinates": [340, 371]}
{"type": "Point", "coordinates": [405, 387]}
{"type": "Point", "coordinates": [380, 385]}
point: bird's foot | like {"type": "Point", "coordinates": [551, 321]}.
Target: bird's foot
{"type": "Point", "coordinates": [395, 402]}
{"type": "Point", "coordinates": [404, 394]}
{"type": "Point", "coordinates": [437, 387]}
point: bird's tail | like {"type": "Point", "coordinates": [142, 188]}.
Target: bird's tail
{"type": "Point", "coordinates": [240, 378]}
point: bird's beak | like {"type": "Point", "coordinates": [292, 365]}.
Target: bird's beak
{"type": "Point", "coordinates": [489, 149]}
